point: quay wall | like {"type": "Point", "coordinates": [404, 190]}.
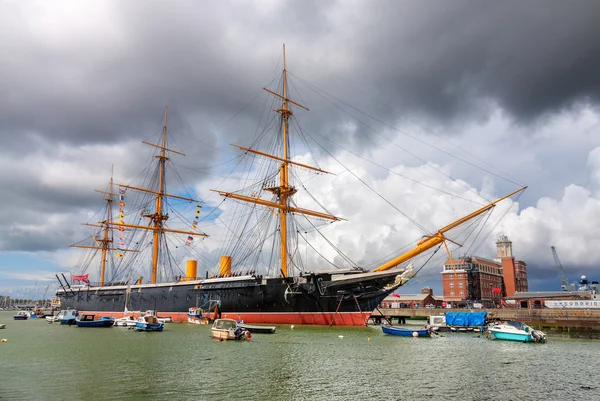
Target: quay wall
{"type": "Point", "coordinates": [574, 323]}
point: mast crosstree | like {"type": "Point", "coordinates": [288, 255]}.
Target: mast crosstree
{"type": "Point", "coordinates": [158, 218]}
{"type": "Point", "coordinates": [104, 242]}
{"type": "Point", "coordinates": [284, 191]}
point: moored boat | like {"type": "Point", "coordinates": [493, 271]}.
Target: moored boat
{"type": "Point", "coordinates": [67, 316]}
{"type": "Point", "coordinates": [2, 326]}
{"type": "Point", "coordinates": [252, 328]}
{"type": "Point", "coordinates": [21, 315]}
{"type": "Point", "coordinates": [195, 316]}
{"type": "Point", "coordinates": [126, 321]}
{"type": "Point", "coordinates": [149, 323]}
{"type": "Point", "coordinates": [405, 332]}
{"type": "Point", "coordinates": [511, 330]}
{"type": "Point", "coordinates": [228, 329]}
{"type": "Point", "coordinates": [89, 320]}
{"type": "Point", "coordinates": [52, 319]}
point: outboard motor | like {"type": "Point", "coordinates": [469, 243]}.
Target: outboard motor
{"type": "Point", "coordinates": [538, 336]}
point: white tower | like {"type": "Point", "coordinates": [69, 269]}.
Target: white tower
{"type": "Point", "coordinates": [504, 247]}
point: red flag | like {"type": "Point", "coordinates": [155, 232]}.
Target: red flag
{"type": "Point", "coordinates": [83, 278]}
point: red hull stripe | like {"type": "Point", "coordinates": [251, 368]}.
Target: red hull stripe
{"type": "Point", "coordinates": [323, 318]}
{"type": "Point", "coordinates": [309, 318]}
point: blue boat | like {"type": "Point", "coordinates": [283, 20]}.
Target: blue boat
{"type": "Point", "coordinates": [67, 316]}
{"type": "Point", "coordinates": [149, 323]}
{"type": "Point", "coordinates": [21, 316]}
{"type": "Point", "coordinates": [400, 331]}
{"type": "Point", "coordinates": [88, 320]}
{"type": "Point", "coordinates": [517, 331]}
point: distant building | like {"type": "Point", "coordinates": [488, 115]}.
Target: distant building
{"type": "Point", "coordinates": [477, 279]}
{"type": "Point", "coordinates": [410, 300]}
{"type": "Point", "coordinates": [555, 299]}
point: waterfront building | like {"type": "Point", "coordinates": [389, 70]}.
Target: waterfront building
{"type": "Point", "coordinates": [555, 300]}
{"type": "Point", "coordinates": [410, 300]}
{"type": "Point", "coordinates": [477, 279]}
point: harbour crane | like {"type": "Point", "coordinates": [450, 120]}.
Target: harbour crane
{"type": "Point", "coordinates": [564, 281]}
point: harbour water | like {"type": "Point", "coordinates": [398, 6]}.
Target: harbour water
{"type": "Point", "coordinates": [42, 361]}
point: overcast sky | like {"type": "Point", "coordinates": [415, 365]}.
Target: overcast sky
{"type": "Point", "coordinates": [512, 86]}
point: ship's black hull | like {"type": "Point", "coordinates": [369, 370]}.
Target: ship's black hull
{"type": "Point", "coordinates": [312, 299]}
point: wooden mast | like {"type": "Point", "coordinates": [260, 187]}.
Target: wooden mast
{"type": "Point", "coordinates": [284, 191]}
{"type": "Point", "coordinates": [109, 201]}
{"type": "Point", "coordinates": [437, 238]}
{"type": "Point", "coordinates": [158, 218]}
{"type": "Point", "coordinates": [103, 243]}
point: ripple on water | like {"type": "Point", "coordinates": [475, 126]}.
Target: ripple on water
{"type": "Point", "coordinates": [53, 362]}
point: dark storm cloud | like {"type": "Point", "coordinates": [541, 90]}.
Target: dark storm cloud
{"type": "Point", "coordinates": [443, 61]}
{"type": "Point", "coordinates": [530, 57]}
{"type": "Point", "coordinates": [102, 73]}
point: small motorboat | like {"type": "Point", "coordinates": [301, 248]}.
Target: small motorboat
{"type": "Point", "coordinates": [511, 330]}
{"type": "Point", "coordinates": [89, 320]}
{"type": "Point", "coordinates": [21, 315]}
{"type": "Point", "coordinates": [67, 316]}
{"type": "Point", "coordinates": [125, 321]}
{"type": "Point", "coordinates": [258, 329]}
{"type": "Point", "coordinates": [166, 319]}
{"type": "Point", "coordinates": [37, 314]}
{"type": "Point", "coordinates": [149, 323]}
{"type": "Point", "coordinates": [404, 332]}
{"type": "Point", "coordinates": [228, 329]}
{"type": "Point", "coordinates": [195, 316]}
{"type": "Point", "coordinates": [52, 319]}
{"type": "Point", "coordinates": [2, 326]}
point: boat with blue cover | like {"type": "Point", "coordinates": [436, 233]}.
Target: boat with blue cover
{"type": "Point", "coordinates": [511, 330]}
{"type": "Point", "coordinates": [405, 332]}
{"type": "Point", "coordinates": [89, 320]}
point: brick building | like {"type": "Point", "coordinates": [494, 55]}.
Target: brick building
{"type": "Point", "coordinates": [410, 300]}
{"type": "Point", "coordinates": [474, 278]}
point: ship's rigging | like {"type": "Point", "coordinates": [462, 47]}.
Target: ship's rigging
{"type": "Point", "coordinates": [271, 231]}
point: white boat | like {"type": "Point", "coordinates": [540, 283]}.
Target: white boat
{"type": "Point", "coordinates": [52, 319]}
{"type": "Point", "coordinates": [195, 316]}
{"type": "Point", "coordinates": [149, 323]}
{"type": "Point", "coordinates": [67, 316]}
{"type": "Point", "coordinates": [228, 329]}
{"type": "Point", "coordinates": [163, 320]}
{"type": "Point", "coordinates": [511, 330]}
{"type": "Point", "coordinates": [125, 321]}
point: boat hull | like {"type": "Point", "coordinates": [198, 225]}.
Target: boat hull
{"type": "Point", "coordinates": [99, 323]}
{"type": "Point", "coordinates": [316, 300]}
{"type": "Point", "coordinates": [149, 326]}
{"type": "Point", "coordinates": [258, 329]}
{"type": "Point", "coordinates": [402, 332]}
{"type": "Point", "coordinates": [524, 338]}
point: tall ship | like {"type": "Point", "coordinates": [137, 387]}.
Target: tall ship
{"type": "Point", "coordinates": [261, 277]}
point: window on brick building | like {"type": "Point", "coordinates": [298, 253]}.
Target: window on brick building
{"type": "Point", "coordinates": [462, 293]}
{"type": "Point", "coordinates": [452, 284]}
{"type": "Point", "coordinates": [451, 293]}
{"type": "Point", "coordinates": [460, 284]}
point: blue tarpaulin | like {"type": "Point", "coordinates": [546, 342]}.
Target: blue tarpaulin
{"type": "Point", "coordinates": [465, 319]}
